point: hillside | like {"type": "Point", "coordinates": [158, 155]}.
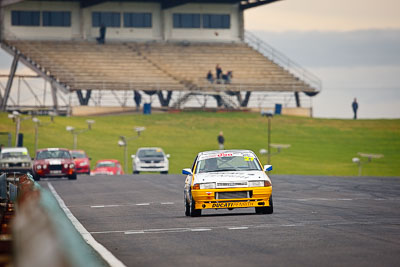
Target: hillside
{"type": "Point", "coordinates": [318, 146]}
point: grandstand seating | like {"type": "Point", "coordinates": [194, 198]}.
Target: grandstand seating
{"type": "Point", "coordinates": [157, 66]}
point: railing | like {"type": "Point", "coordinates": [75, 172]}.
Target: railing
{"type": "Point", "coordinates": [44, 59]}
{"type": "Point", "coordinates": [283, 61]}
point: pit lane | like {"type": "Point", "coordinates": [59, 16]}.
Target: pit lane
{"type": "Point", "coordinates": [317, 221]}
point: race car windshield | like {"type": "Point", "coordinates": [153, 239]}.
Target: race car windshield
{"type": "Point", "coordinates": [234, 163]}
{"type": "Point", "coordinates": [56, 154]}
{"type": "Point", "coordinates": [150, 153]}
{"type": "Point", "coordinates": [8, 155]}
{"type": "Point", "coordinates": [78, 155]}
{"type": "Point", "coordinates": [105, 164]}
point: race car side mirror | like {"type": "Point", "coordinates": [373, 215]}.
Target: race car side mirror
{"type": "Point", "coordinates": [133, 156]}
{"type": "Point", "coordinates": [267, 168]}
{"type": "Point", "coordinates": [168, 155]}
{"type": "Point", "coordinates": [187, 171]}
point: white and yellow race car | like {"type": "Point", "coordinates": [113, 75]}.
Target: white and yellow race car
{"type": "Point", "coordinates": [227, 179]}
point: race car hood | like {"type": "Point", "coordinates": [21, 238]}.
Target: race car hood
{"type": "Point", "coordinates": [53, 161]}
{"type": "Point", "coordinates": [230, 176]}
{"type": "Point", "coordinates": [151, 159]}
{"type": "Point", "coordinates": [14, 160]}
{"type": "Point", "coordinates": [105, 170]}
{"type": "Point", "coordinates": [78, 162]}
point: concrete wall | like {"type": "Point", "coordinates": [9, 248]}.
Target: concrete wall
{"type": "Point", "coordinates": [162, 22]}
{"type": "Point", "coordinates": [42, 33]}
{"type": "Point", "coordinates": [217, 35]}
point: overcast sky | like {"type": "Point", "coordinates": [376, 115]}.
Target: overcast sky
{"type": "Point", "coordinates": [324, 15]}
{"type": "Point", "coordinates": [352, 45]}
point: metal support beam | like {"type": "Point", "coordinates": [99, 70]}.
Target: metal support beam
{"type": "Point", "coordinates": [243, 102]}
{"type": "Point", "coordinates": [84, 100]}
{"type": "Point", "coordinates": [10, 81]}
{"type": "Point", "coordinates": [54, 95]}
{"type": "Point", "coordinates": [164, 101]}
{"type": "Point", "coordinates": [297, 96]}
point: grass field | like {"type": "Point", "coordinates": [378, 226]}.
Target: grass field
{"type": "Point", "coordinates": [318, 146]}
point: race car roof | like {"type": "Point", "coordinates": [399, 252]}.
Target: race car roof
{"type": "Point", "coordinates": [224, 153]}
{"type": "Point", "coordinates": [14, 149]}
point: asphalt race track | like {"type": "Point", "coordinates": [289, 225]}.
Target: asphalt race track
{"type": "Point", "coordinates": [317, 221]}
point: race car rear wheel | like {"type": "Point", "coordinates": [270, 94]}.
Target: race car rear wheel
{"type": "Point", "coordinates": [193, 211]}
{"type": "Point", "coordinates": [266, 210]}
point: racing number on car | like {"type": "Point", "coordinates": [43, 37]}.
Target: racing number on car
{"type": "Point", "coordinates": [248, 158]}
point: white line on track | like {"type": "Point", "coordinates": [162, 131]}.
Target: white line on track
{"type": "Point", "coordinates": [143, 204]}
{"type": "Point", "coordinates": [243, 227]}
{"type": "Point", "coordinates": [103, 252]}
{"type": "Point", "coordinates": [167, 203]}
{"type": "Point", "coordinates": [239, 228]}
{"type": "Point", "coordinates": [200, 229]}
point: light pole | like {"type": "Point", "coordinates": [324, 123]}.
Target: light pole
{"type": "Point", "coordinates": [269, 115]}
{"type": "Point", "coordinates": [365, 155]}
{"type": "Point", "coordinates": [76, 132]}
{"type": "Point", "coordinates": [123, 141]}
{"type": "Point", "coordinates": [37, 122]}
{"type": "Point", "coordinates": [15, 116]}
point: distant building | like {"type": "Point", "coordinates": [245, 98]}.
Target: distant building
{"type": "Point", "coordinates": [125, 20]}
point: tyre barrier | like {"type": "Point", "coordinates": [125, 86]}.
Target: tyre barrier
{"type": "Point", "coordinates": [42, 235]}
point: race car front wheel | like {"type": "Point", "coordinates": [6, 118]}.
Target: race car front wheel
{"type": "Point", "coordinates": [193, 211]}
{"type": "Point", "coordinates": [187, 205]}
{"type": "Point", "coordinates": [266, 210]}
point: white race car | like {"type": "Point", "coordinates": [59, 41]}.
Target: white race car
{"type": "Point", "coordinates": [227, 179]}
{"type": "Point", "coordinates": [150, 159]}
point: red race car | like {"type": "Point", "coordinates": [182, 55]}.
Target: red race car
{"type": "Point", "coordinates": [82, 161]}
{"type": "Point", "coordinates": [53, 162]}
{"type": "Point", "coordinates": [108, 167]}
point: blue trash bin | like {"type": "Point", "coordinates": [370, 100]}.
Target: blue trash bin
{"type": "Point", "coordinates": [147, 108]}
{"type": "Point", "coordinates": [278, 109]}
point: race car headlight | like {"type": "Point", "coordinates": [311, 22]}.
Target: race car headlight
{"type": "Point", "coordinates": [65, 165]}
{"type": "Point", "coordinates": [83, 164]}
{"type": "Point", "coordinates": [39, 167]}
{"type": "Point", "coordinates": [207, 186]}
{"type": "Point", "coordinates": [44, 166]}
{"type": "Point", "coordinates": [4, 165]}
{"type": "Point", "coordinates": [71, 166]}
{"type": "Point", "coordinates": [256, 183]}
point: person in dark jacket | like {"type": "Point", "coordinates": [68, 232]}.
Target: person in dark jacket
{"type": "Point", "coordinates": [355, 107]}
{"type": "Point", "coordinates": [102, 36]}
{"type": "Point", "coordinates": [218, 72]}
{"type": "Point", "coordinates": [221, 140]}
{"type": "Point", "coordinates": [210, 77]}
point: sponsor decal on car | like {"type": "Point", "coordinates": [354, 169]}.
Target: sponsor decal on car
{"type": "Point", "coordinates": [228, 205]}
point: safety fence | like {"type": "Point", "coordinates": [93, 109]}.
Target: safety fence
{"type": "Point", "coordinates": [35, 230]}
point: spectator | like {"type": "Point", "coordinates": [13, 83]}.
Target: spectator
{"type": "Point", "coordinates": [355, 107]}
{"type": "Point", "coordinates": [218, 72]}
{"type": "Point", "coordinates": [221, 140]}
{"type": "Point", "coordinates": [138, 99]}
{"type": "Point", "coordinates": [210, 77]}
{"type": "Point", "coordinates": [102, 36]}
{"type": "Point", "coordinates": [227, 77]}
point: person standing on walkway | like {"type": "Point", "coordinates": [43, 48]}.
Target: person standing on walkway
{"type": "Point", "coordinates": [355, 107]}
{"type": "Point", "coordinates": [221, 140]}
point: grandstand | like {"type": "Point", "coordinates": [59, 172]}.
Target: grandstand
{"type": "Point", "coordinates": [162, 46]}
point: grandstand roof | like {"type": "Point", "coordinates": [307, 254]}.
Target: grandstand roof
{"type": "Point", "coordinates": [244, 4]}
